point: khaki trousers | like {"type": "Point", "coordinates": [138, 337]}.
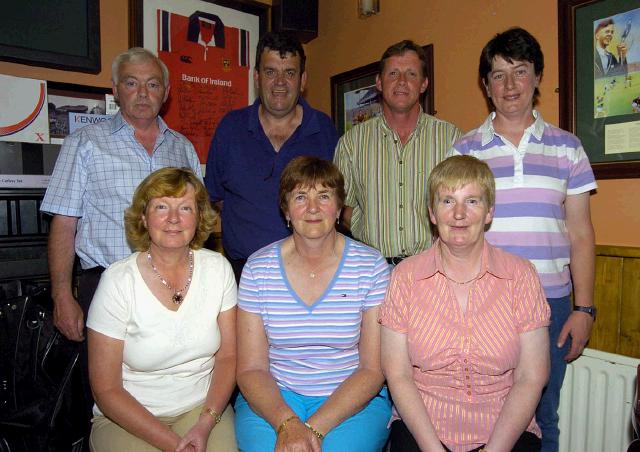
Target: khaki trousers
{"type": "Point", "coordinates": [107, 436]}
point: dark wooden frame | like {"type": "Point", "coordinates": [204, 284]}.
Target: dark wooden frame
{"type": "Point", "coordinates": [251, 7]}
{"type": "Point", "coordinates": [89, 63]}
{"type": "Point", "coordinates": [338, 82]}
{"type": "Point", "coordinates": [567, 78]}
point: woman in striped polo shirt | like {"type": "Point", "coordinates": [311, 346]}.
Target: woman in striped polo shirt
{"type": "Point", "coordinates": [308, 337]}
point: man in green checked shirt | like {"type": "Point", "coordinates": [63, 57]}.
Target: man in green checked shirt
{"type": "Point", "coordinates": [386, 160]}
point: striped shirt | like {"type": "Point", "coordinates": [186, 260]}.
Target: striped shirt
{"type": "Point", "coordinates": [463, 362]}
{"type": "Point", "coordinates": [97, 171]}
{"type": "Point", "coordinates": [313, 349]}
{"type": "Point", "coordinates": [386, 181]}
{"type": "Point", "coordinates": [533, 181]}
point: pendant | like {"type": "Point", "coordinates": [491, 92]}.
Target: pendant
{"type": "Point", "coordinates": [177, 298]}
{"type": "Point", "coordinates": [312, 275]}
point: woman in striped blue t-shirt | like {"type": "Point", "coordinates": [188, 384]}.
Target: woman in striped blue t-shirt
{"type": "Point", "coordinates": [308, 337]}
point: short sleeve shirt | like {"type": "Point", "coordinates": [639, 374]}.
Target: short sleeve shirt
{"type": "Point", "coordinates": [168, 356]}
{"type": "Point", "coordinates": [463, 362]}
{"type": "Point", "coordinates": [313, 349]}
{"type": "Point", "coordinates": [95, 176]}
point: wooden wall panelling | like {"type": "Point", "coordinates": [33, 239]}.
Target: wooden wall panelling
{"type": "Point", "coordinates": [629, 344]}
{"type": "Point", "coordinates": [617, 297]}
{"type": "Point", "coordinates": [607, 295]}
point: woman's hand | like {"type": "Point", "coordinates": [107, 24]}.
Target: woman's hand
{"type": "Point", "coordinates": [196, 438]}
{"type": "Point", "coordinates": [296, 437]}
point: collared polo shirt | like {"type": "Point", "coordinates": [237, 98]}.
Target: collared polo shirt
{"type": "Point", "coordinates": [386, 181]}
{"type": "Point", "coordinates": [463, 362]}
{"type": "Point", "coordinates": [243, 170]}
{"type": "Point", "coordinates": [97, 171]}
{"type": "Point", "coordinates": [533, 181]}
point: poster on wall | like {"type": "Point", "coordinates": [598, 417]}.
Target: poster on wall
{"type": "Point", "coordinates": [23, 110]}
{"type": "Point", "coordinates": [209, 51]}
{"type": "Point", "coordinates": [360, 105]}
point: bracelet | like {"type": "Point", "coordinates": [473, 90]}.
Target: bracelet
{"type": "Point", "coordinates": [319, 435]}
{"type": "Point", "coordinates": [213, 413]}
{"type": "Point", "coordinates": [282, 427]}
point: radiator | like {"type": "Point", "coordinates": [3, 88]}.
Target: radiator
{"type": "Point", "coordinates": [596, 402]}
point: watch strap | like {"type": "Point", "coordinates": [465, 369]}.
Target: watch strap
{"type": "Point", "coordinates": [591, 310]}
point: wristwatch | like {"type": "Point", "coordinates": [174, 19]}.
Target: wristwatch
{"type": "Point", "coordinates": [591, 310]}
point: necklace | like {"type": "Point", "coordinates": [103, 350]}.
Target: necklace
{"type": "Point", "coordinates": [314, 272]}
{"type": "Point", "coordinates": [178, 295]}
{"type": "Point", "coordinates": [461, 283]}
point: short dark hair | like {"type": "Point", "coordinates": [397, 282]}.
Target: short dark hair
{"type": "Point", "coordinates": [514, 44]}
{"type": "Point", "coordinates": [282, 43]}
{"type": "Point", "coordinates": [399, 48]}
{"type": "Point", "coordinates": [603, 24]}
{"type": "Point", "coordinates": [308, 171]}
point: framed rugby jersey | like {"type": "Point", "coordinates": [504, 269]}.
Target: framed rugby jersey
{"type": "Point", "coordinates": [210, 52]}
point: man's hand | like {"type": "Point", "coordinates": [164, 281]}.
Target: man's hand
{"type": "Point", "coordinates": [578, 325]}
{"type": "Point", "coordinates": [68, 318]}
{"type": "Point", "coordinates": [622, 51]}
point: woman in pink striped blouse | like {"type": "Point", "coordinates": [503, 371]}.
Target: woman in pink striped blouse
{"type": "Point", "coordinates": [464, 337]}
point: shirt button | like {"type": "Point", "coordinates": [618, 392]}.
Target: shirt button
{"type": "Point", "coordinates": [466, 369]}
{"type": "Point", "coordinates": [465, 360]}
{"type": "Point", "coordinates": [469, 386]}
{"type": "Point", "coordinates": [468, 393]}
{"type": "Point", "coordinates": [401, 206]}
{"type": "Point", "coordinates": [400, 162]}
{"type": "Point", "coordinates": [401, 228]}
{"type": "Point", "coordinates": [467, 377]}
{"type": "Point", "coordinates": [400, 184]}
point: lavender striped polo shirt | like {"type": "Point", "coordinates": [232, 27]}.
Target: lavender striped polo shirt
{"type": "Point", "coordinates": [313, 349]}
{"type": "Point", "coordinates": [532, 183]}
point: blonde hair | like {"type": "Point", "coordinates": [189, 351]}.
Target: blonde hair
{"type": "Point", "coordinates": [458, 171]}
{"type": "Point", "coordinates": [170, 182]}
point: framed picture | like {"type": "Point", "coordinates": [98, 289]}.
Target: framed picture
{"type": "Point", "coordinates": [209, 48]}
{"type": "Point", "coordinates": [599, 59]}
{"type": "Point", "coordinates": [38, 33]}
{"type": "Point", "coordinates": [354, 97]}
{"type": "Point", "coordinates": [66, 99]}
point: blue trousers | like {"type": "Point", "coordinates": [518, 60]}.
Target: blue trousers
{"type": "Point", "coordinates": [365, 431]}
{"type": "Point", "coordinates": [547, 411]}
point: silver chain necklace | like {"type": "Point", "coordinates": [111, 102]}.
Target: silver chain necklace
{"type": "Point", "coordinates": [178, 295]}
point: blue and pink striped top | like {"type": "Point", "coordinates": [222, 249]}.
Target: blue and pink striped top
{"type": "Point", "coordinates": [533, 181]}
{"type": "Point", "coordinates": [313, 349]}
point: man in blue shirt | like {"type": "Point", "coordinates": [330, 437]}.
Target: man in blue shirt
{"type": "Point", "coordinates": [252, 146]}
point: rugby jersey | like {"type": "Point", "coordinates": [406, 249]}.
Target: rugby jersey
{"type": "Point", "coordinates": [209, 73]}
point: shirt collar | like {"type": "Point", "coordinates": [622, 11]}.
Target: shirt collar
{"type": "Point", "coordinates": [386, 128]}
{"type": "Point", "coordinates": [490, 264]}
{"type": "Point", "coordinates": [119, 122]}
{"type": "Point", "coordinates": [488, 133]}
{"type": "Point", "coordinates": [309, 125]}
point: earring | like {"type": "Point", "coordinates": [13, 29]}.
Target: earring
{"type": "Point", "coordinates": [288, 224]}
{"type": "Point", "coordinates": [338, 220]}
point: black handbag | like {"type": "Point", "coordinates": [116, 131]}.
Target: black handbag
{"type": "Point", "coordinates": [36, 364]}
